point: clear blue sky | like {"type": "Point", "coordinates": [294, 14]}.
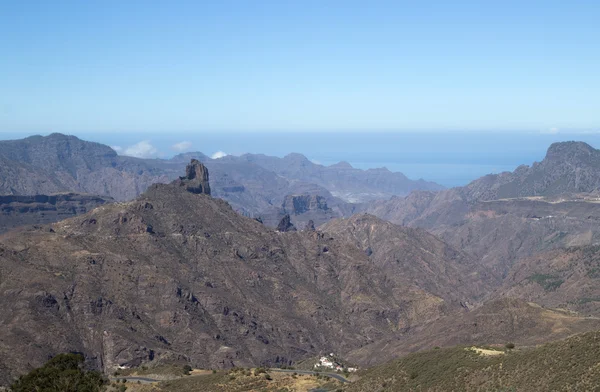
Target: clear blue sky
{"type": "Point", "coordinates": [149, 66]}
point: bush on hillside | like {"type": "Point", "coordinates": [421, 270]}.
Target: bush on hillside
{"type": "Point", "coordinates": [63, 373]}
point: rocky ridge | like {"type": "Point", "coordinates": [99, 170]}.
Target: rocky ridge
{"type": "Point", "coordinates": [179, 277]}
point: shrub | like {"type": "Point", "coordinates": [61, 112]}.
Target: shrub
{"type": "Point", "coordinates": [187, 369]}
{"type": "Point", "coordinates": [509, 346]}
{"type": "Point", "coordinates": [259, 370]}
{"type": "Point", "coordinates": [63, 373]}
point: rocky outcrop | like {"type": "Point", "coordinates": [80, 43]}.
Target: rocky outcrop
{"type": "Point", "coordinates": [285, 225]}
{"type": "Point", "coordinates": [310, 226]}
{"type": "Point", "coordinates": [196, 178]}
{"type": "Point", "coordinates": [300, 204]}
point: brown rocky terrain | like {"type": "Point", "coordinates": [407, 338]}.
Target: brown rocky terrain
{"type": "Point", "coordinates": [16, 211]}
{"type": "Point", "coordinates": [176, 276]}
{"type": "Point", "coordinates": [417, 256]}
{"type": "Point", "coordinates": [500, 231]}
{"type": "Point", "coordinates": [562, 278]}
{"type": "Point", "coordinates": [497, 322]}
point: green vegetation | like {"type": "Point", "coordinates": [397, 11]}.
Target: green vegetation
{"type": "Point", "coordinates": [548, 282]}
{"type": "Point", "coordinates": [63, 373]}
{"type": "Point", "coordinates": [567, 365]}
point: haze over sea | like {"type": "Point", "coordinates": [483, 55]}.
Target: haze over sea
{"type": "Point", "coordinates": [449, 158]}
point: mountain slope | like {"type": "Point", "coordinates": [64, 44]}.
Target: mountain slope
{"type": "Point", "coordinates": [18, 211]}
{"type": "Point", "coordinates": [60, 163]}
{"type": "Point", "coordinates": [175, 276]}
{"type": "Point", "coordinates": [342, 180]}
{"type": "Point", "coordinates": [501, 218]}
{"type": "Point", "coordinates": [568, 167]}
{"type": "Point", "coordinates": [563, 278]}
{"type": "Point", "coordinates": [417, 256]}
{"type": "Point", "coordinates": [567, 365]}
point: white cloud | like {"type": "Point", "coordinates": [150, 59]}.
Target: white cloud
{"type": "Point", "coordinates": [118, 149]}
{"type": "Point", "coordinates": [550, 131]}
{"type": "Point", "coordinates": [218, 154]}
{"type": "Point", "coordinates": [181, 146]}
{"type": "Point", "coordinates": [142, 149]}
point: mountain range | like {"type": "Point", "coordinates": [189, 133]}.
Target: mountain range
{"type": "Point", "coordinates": [177, 275]}
{"type": "Point", "coordinates": [185, 265]}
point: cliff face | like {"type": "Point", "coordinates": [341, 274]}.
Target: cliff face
{"type": "Point", "coordinates": [195, 179]}
{"type": "Point", "coordinates": [300, 204]}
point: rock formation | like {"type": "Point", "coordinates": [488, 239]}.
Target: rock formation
{"type": "Point", "coordinates": [285, 224]}
{"type": "Point", "coordinates": [196, 178]}
{"type": "Point", "coordinates": [300, 204]}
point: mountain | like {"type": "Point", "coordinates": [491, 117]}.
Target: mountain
{"type": "Point", "coordinates": [562, 278]}
{"type": "Point", "coordinates": [342, 180]}
{"type": "Point", "coordinates": [500, 232]}
{"type": "Point", "coordinates": [59, 163]}
{"type": "Point", "coordinates": [493, 223]}
{"type": "Point", "coordinates": [179, 276]}
{"type": "Point", "coordinates": [399, 251]}
{"type": "Point", "coordinates": [495, 322]}
{"type": "Point", "coordinates": [16, 211]}
{"type": "Point", "coordinates": [255, 185]}
{"type": "Point", "coordinates": [567, 365]}
{"type": "Point", "coordinates": [567, 167]}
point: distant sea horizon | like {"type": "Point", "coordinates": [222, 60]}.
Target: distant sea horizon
{"type": "Point", "coordinates": [449, 158]}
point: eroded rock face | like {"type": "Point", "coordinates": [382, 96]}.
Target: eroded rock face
{"type": "Point", "coordinates": [285, 225]}
{"type": "Point", "coordinates": [196, 178]}
{"type": "Point", "coordinates": [310, 226]}
{"type": "Point", "coordinates": [299, 204]}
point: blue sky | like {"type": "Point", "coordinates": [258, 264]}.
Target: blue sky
{"type": "Point", "coordinates": [207, 66]}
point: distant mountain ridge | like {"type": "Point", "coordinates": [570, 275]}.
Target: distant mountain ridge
{"type": "Point", "coordinates": [500, 218]}
{"type": "Point", "coordinates": [341, 179]}
{"type": "Point", "coordinates": [255, 185]}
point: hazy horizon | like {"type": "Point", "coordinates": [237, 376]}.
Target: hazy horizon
{"type": "Point", "coordinates": [443, 91]}
{"type": "Point", "coordinates": [448, 158]}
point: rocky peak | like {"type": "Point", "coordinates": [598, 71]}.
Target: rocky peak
{"type": "Point", "coordinates": [196, 178]}
{"type": "Point", "coordinates": [285, 224]}
{"type": "Point", "coordinates": [297, 159]}
{"type": "Point", "coordinates": [567, 151]}
{"type": "Point", "coordinates": [341, 165]}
